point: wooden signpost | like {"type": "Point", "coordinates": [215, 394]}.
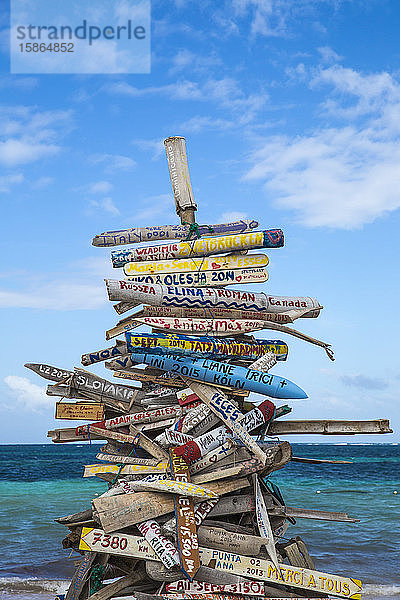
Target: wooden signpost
{"type": "Point", "coordinates": [197, 266]}
{"type": "Point", "coordinates": [182, 449]}
{"type": "Point", "coordinates": [136, 235]}
{"type": "Point", "coordinates": [163, 295]}
{"type": "Point", "coordinates": [203, 278]}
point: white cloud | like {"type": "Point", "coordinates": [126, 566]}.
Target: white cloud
{"type": "Point", "coordinates": [28, 395]}
{"type": "Point", "coordinates": [339, 175]}
{"type": "Point", "coordinates": [7, 181]}
{"type": "Point", "coordinates": [155, 206]}
{"type": "Point", "coordinates": [99, 187]}
{"type": "Point", "coordinates": [113, 162]}
{"type": "Point", "coordinates": [155, 146]}
{"type": "Point", "coordinates": [105, 204]}
{"type": "Point", "coordinates": [27, 135]}
{"type": "Point", "coordinates": [201, 63]}
{"type": "Point", "coordinates": [225, 93]}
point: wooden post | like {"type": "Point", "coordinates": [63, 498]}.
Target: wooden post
{"type": "Point", "coordinates": [180, 178]}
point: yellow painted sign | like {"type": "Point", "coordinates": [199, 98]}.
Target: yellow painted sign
{"type": "Point", "coordinates": [83, 411]}
{"type": "Point", "coordinates": [92, 470]}
{"type": "Point", "coordinates": [210, 263]}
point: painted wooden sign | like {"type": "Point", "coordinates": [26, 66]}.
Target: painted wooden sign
{"type": "Point", "coordinates": [204, 346]}
{"type": "Point", "coordinates": [264, 526]}
{"type": "Point", "coordinates": [171, 486]}
{"type": "Point", "coordinates": [129, 323]}
{"type": "Point", "coordinates": [232, 541]}
{"type": "Point", "coordinates": [124, 545]}
{"type": "Point", "coordinates": [163, 295]}
{"type": "Point", "coordinates": [220, 328]}
{"type": "Point", "coordinates": [143, 417]}
{"type": "Point", "coordinates": [212, 457]}
{"type": "Point", "coordinates": [265, 570]}
{"type": "Point", "coordinates": [84, 411]}
{"type": "Point", "coordinates": [205, 443]}
{"type": "Point", "coordinates": [186, 397]}
{"type": "Point", "coordinates": [142, 376]}
{"type": "Point", "coordinates": [92, 470]}
{"type": "Point", "coordinates": [203, 278]}
{"type": "Point", "coordinates": [206, 246]}
{"type": "Point", "coordinates": [219, 373]}
{"type": "Point", "coordinates": [246, 566]}
{"type": "Point", "coordinates": [91, 358]}
{"type": "Point", "coordinates": [214, 327]}
{"type": "Point", "coordinates": [82, 381]}
{"type": "Point", "coordinates": [193, 265]}
{"type": "Point", "coordinates": [164, 548]}
{"type": "Point", "coordinates": [186, 529]}
{"type": "Point", "coordinates": [249, 588]}
{"type": "Point", "coordinates": [170, 437]}
{"type": "Point", "coordinates": [135, 235]}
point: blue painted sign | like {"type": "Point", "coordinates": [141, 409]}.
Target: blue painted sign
{"type": "Point", "coordinates": [204, 346]}
{"type": "Point", "coordinates": [219, 373]}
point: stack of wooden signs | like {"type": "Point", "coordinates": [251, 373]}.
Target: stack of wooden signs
{"type": "Point", "coordinates": [190, 511]}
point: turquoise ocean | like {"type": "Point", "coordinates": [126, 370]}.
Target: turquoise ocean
{"type": "Point", "coordinates": [41, 482]}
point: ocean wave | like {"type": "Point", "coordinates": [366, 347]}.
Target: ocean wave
{"type": "Point", "coordinates": [34, 586]}
{"type": "Point", "coordinates": [374, 589]}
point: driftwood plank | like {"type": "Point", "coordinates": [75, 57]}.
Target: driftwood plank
{"type": "Point", "coordinates": [117, 512]}
{"type": "Point", "coordinates": [329, 427]}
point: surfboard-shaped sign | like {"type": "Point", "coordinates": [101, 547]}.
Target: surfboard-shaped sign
{"type": "Point", "coordinates": [205, 278]}
{"type": "Point", "coordinates": [135, 235]}
{"type": "Point", "coordinates": [163, 295]}
{"type": "Point", "coordinates": [201, 247]}
{"type": "Point", "coordinates": [219, 373]}
{"type": "Point", "coordinates": [197, 265]}
{"type": "Point", "coordinates": [205, 346]}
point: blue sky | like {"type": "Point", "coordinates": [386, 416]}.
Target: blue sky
{"type": "Point", "coordinates": [291, 112]}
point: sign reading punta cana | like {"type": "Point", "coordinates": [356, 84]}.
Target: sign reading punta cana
{"type": "Point", "coordinates": [164, 295]}
{"type": "Point", "coordinates": [136, 235]}
{"type": "Point", "coordinates": [196, 265]}
{"type": "Point", "coordinates": [219, 373]}
{"type": "Point", "coordinates": [200, 247]}
{"type": "Point", "coordinates": [205, 346]}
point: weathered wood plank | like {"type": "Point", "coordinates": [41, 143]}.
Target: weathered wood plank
{"type": "Point", "coordinates": [117, 512]}
{"type": "Point", "coordinates": [185, 204]}
{"type": "Point", "coordinates": [329, 427]}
